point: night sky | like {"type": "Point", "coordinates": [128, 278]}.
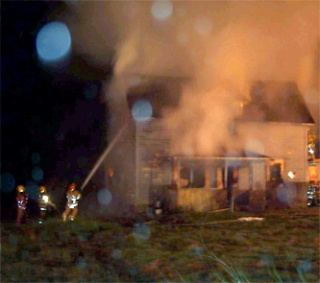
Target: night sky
{"type": "Point", "coordinates": [53, 123]}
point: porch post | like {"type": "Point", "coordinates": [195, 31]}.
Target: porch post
{"type": "Point", "coordinates": [176, 171]}
{"type": "Point", "coordinates": [225, 181]}
{"type": "Point", "coordinates": [207, 176]}
{"type": "Point", "coordinates": [178, 179]}
{"type": "Point", "coordinates": [191, 177]}
{"type": "Point", "coordinates": [219, 178]}
{"type": "Point", "coordinates": [214, 177]}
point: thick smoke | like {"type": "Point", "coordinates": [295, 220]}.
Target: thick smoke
{"type": "Point", "coordinates": [222, 46]}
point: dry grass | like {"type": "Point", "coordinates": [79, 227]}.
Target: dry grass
{"type": "Point", "coordinates": [179, 247]}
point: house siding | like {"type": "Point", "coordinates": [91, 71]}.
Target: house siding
{"type": "Point", "coordinates": [201, 199]}
{"type": "Point", "coordinates": [279, 141]}
{"type": "Point", "coordinates": [143, 177]}
{"type": "Point", "coordinates": [152, 140]}
{"type": "Point", "coordinates": [122, 159]}
{"type": "Point", "coordinates": [244, 181]}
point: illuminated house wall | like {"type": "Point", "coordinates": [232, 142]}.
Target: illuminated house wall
{"type": "Point", "coordinates": [281, 141]}
{"type": "Point", "coordinates": [143, 158]}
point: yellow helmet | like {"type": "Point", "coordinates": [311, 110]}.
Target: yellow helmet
{"type": "Point", "coordinates": [20, 189]}
{"type": "Point", "coordinates": [42, 189]}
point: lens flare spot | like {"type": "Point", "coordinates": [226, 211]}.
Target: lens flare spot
{"type": "Point", "coordinates": [304, 266]}
{"type": "Point", "coordinates": [104, 197]}
{"type": "Point", "coordinates": [130, 9]}
{"type": "Point", "coordinates": [81, 263]}
{"type": "Point", "coordinates": [81, 161]}
{"type": "Point", "coordinates": [182, 38]}
{"type": "Point", "coordinates": [53, 42]}
{"type": "Point", "coordinates": [116, 254]}
{"type": "Point", "coordinates": [8, 182]}
{"type": "Point", "coordinates": [141, 232]}
{"type": "Point", "coordinates": [265, 260]}
{"type": "Point", "coordinates": [142, 110]}
{"type": "Point", "coordinates": [203, 26]}
{"type": "Point", "coordinates": [60, 137]}
{"type": "Point", "coordinates": [132, 270]}
{"type": "Point", "coordinates": [37, 173]}
{"type": "Point", "coordinates": [91, 207]}
{"type": "Point", "coordinates": [196, 249]}
{"type": "Point", "coordinates": [13, 240]}
{"type": "Point", "coordinates": [83, 237]}
{"type": "Point", "coordinates": [91, 91]}
{"type": "Point", "coordinates": [286, 192]}
{"type": "Point", "coordinates": [32, 189]}
{"type": "Point", "coordinates": [77, 178]}
{"type": "Point", "coordinates": [149, 212]}
{"type": "Point", "coordinates": [134, 81]}
{"type": "Point", "coordinates": [162, 10]}
{"type": "Point", "coordinates": [35, 157]}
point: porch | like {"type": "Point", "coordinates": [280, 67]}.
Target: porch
{"type": "Point", "coordinates": [211, 183]}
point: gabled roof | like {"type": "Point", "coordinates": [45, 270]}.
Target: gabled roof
{"type": "Point", "coordinates": [273, 101]}
{"type": "Point", "coordinates": [160, 91]}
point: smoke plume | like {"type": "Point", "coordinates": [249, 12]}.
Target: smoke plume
{"type": "Point", "coordinates": [222, 46]}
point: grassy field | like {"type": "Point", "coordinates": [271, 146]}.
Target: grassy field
{"type": "Point", "coordinates": [178, 247]}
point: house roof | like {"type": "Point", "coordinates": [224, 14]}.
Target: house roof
{"type": "Point", "coordinates": [160, 91]}
{"type": "Point", "coordinates": [273, 101]}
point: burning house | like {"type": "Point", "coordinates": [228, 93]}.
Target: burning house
{"type": "Point", "coordinates": [195, 127]}
{"type": "Point", "coordinates": [263, 161]}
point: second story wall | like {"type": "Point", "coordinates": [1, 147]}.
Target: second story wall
{"type": "Point", "coordinates": [284, 141]}
{"type": "Point", "coordinates": [153, 143]}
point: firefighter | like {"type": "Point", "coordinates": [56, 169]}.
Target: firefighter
{"type": "Point", "coordinates": [22, 201]}
{"type": "Point", "coordinates": [44, 203]}
{"type": "Point", "coordinates": [73, 197]}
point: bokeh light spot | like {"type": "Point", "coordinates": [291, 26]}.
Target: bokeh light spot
{"type": "Point", "coordinates": [8, 182]}
{"type": "Point", "coordinates": [53, 42]}
{"type": "Point", "coordinates": [142, 110]}
{"type": "Point", "coordinates": [162, 10]}
{"type": "Point", "coordinates": [13, 240]}
{"type": "Point", "coordinates": [91, 91]}
{"type": "Point", "coordinates": [304, 266]}
{"type": "Point", "coordinates": [149, 212]}
{"type": "Point", "coordinates": [203, 26]}
{"type": "Point", "coordinates": [130, 9]}
{"type": "Point", "coordinates": [265, 260]}
{"type": "Point", "coordinates": [83, 237]}
{"type": "Point", "coordinates": [81, 262]}
{"type": "Point", "coordinates": [286, 192]}
{"type": "Point", "coordinates": [196, 249]}
{"type": "Point", "coordinates": [32, 189]}
{"type": "Point", "coordinates": [37, 173]}
{"type": "Point", "coordinates": [141, 232]}
{"type": "Point", "coordinates": [132, 270]}
{"type": "Point", "coordinates": [35, 157]}
{"type": "Point", "coordinates": [134, 81]}
{"type": "Point", "coordinates": [104, 197]}
{"type": "Point", "coordinates": [116, 254]}
{"type": "Point", "coordinates": [182, 38]}
{"type": "Point", "coordinates": [60, 137]}
{"type": "Point", "coordinates": [82, 161]}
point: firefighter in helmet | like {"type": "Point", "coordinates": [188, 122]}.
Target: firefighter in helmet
{"type": "Point", "coordinates": [44, 203]}
{"type": "Point", "coordinates": [73, 197]}
{"type": "Point", "coordinates": [22, 201]}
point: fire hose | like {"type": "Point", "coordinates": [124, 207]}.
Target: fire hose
{"type": "Point", "coordinates": [103, 156]}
